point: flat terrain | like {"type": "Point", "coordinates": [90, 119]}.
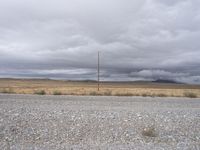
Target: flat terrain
{"type": "Point", "coordinates": [30, 122]}
{"type": "Point", "coordinates": [106, 88]}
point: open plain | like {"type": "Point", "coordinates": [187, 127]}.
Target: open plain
{"type": "Point", "coordinates": [59, 87]}
{"type": "Point", "coordinates": [30, 122]}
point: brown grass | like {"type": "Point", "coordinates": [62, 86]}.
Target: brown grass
{"type": "Point", "coordinates": [7, 90]}
{"type": "Point", "coordinates": [54, 87]}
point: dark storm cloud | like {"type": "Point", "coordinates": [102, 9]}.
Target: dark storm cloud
{"type": "Point", "coordinates": [138, 40]}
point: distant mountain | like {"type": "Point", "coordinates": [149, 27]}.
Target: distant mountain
{"type": "Point", "coordinates": [165, 81]}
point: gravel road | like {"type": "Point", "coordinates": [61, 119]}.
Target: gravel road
{"type": "Point", "coordinates": [30, 122]}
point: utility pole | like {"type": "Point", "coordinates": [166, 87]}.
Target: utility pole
{"type": "Point", "coordinates": [98, 71]}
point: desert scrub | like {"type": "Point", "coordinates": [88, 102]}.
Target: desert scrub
{"type": "Point", "coordinates": [124, 94]}
{"type": "Point", "coordinates": [40, 92]}
{"type": "Point", "coordinates": [107, 93]}
{"type": "Point", "coordinates": [161, 95]}
{"type": "Point", "coordinates": [93, 93]}
{"type": "Point", "coordinates": [7, 91]}
{"type": "Point", "coordinates": [145, 94]}
{"type": "Point", "coordinates": [190, 95]}
{"type": "Point", "coordinates": [57, 93]}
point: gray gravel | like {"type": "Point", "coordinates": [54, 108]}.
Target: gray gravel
{"type": "Point", "coordinates": [30, 122]}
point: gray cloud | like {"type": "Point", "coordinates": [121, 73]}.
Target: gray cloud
{"type": "Point", "coordinates": [138, 40]}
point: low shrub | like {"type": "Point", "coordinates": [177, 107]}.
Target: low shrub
{"type": "Point", "coordinates": [40, 92]}
{"type": "Point", "coordinates": [107, 93]}
{"type": "Point", "coordinates": [149, 132]}
{"type": "Point", "coordinates": [124, 94]}
{"type": "Point", "coordinates": [128, 94]}
{"type": "Point", "coordinates": [93, 93]}
{"type": "Point", "coordinates": [190, 95]}
{"type": "Point", "coordinates": [57, 93]}
{"type": "Point", "coordinates": [145, 94]}
{"type": "Point", "coordinates": [162, 95]}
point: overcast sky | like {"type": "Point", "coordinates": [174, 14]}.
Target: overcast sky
{"type": "Point", "coordinates": [137, 39]}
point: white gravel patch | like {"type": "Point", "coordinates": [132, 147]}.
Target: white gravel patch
{"type": "Point", "coordinates": [29, 122]}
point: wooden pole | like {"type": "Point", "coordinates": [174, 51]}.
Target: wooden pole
{"type": "Point", "coordinates": [98, 70]}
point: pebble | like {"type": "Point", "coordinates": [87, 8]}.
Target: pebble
{"type": "Point", "coordinates": [98, 123]}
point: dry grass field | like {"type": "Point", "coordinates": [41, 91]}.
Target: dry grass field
{"type": "Point", "coordinates": [55, 87]}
